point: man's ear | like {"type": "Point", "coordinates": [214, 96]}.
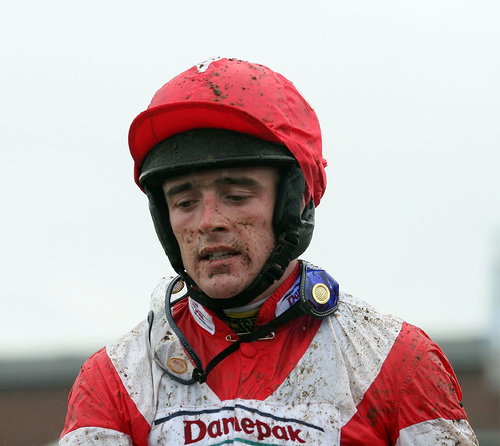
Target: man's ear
{"type": "Point", "coordinates": [306, 198]}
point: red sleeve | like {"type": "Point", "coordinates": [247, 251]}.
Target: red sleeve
{"type": "Point", "coordinates": [430, 389]}
{"type": "Point", "coordinates": [415, 384]}
{"type": "Point", "coordinates": [99, 399]}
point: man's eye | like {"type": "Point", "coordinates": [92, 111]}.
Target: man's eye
{"type": "Point", "coordinates": [237, 198]}
{"type": "Point", "coordinates": [184, 204]}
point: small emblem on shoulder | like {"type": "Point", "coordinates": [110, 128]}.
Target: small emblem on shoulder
{"type": "Point", "coordinates": [178, 287]}
{"type": "Point", "coordinates": [321, 293]}
{"type": "Point", "coordinates": [177, 365]}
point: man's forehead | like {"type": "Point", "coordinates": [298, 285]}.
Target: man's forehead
{"type": "Point", "coordinates": [237, 175]}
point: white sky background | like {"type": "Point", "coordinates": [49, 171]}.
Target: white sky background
{"type": "Point", "coordinates": [408, 95]}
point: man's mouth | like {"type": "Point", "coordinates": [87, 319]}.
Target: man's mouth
{"type": "Point", "coordinates": [219, 255]}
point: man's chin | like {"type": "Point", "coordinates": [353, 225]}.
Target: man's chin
{"type": "Point", "coordinates": [222, 294]}
{"type": "Point", "coordinates": [221, 286]}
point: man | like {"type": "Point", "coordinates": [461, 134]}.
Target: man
{"type": "Point", "coordinates": [249, 345]}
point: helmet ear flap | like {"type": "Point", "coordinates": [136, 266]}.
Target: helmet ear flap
{"type": "Point", "coordinates": [159, 212]}
{"type": "Point", "coordinates": [289, 217]}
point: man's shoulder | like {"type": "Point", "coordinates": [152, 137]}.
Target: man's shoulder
{"type": "Point", "coordinates": [133, 347]}
{"type": "Point", "coordinates": [381, 335]}
{"type": "Point", "coordinates": [359, 311]}
{"type": "Point", "coordinates": [358, 323]}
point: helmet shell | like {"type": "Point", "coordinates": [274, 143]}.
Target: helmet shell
{"type": "Point", "coordinates": [235, 95]}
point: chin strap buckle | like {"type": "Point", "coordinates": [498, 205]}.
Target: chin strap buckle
{"type": "Point", "coordinates": [199, 375]}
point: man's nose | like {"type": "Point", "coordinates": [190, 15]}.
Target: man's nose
{"type": "Point", "coordinates": [211, 218]}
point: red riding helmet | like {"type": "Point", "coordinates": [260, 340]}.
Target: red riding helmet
{"type": "Point", "coordinates": [234, 95]}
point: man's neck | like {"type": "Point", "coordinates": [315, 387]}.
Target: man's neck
{"type": "Point", "coordinates": [242, 319]}
{"type": "Point", "coordinates": [269, 292]}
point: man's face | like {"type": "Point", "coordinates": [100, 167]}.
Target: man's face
{"type": "Point", "coordinates": [222, 220]}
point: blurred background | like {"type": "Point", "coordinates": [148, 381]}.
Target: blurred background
{"type": "Point", "coordinates": [408, 96]}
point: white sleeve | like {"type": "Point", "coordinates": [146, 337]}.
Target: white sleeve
{"type": "Point", "coordinates": [438, 432]}
{"type": "Point", "coordinates": [95, 436]}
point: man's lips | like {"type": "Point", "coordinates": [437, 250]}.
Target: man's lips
{"type": "Point", "coordinates": [218, 254]}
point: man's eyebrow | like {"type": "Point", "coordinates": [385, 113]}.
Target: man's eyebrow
{"type": "Point", "coordinates": [178, 188]}
{"type": "Point", "coordinates": [237, 181]}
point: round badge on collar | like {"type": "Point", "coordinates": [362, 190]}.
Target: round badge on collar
{"type": "Point", "coordinates": [321, 293]}
{"type": "Point", "coordinates": [177, 365]}
{"type": "Point", "coordinates": [178, 287]}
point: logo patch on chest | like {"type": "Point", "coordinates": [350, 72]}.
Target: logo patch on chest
{"type": "Point", "coordinates": [244, 423]}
